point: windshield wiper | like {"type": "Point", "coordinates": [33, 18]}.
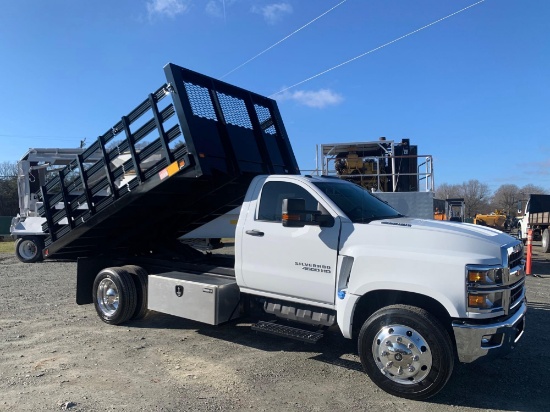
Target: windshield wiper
{"type": "Point", "coordinates": [373, 218]}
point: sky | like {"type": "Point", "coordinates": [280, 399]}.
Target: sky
{"type": "Point", "coordinates": [471, 90]}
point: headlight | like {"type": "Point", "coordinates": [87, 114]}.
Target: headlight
{"type": "Point", "coordinates": [485, 301]}
{"type": "Point", "coordinates": [485, 287]}
{"type": "Point", "coordinates": [485, 276]}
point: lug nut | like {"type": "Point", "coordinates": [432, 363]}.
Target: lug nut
{"type": "Point", "coordinates": [384, 353]}
{"type": "Point", "coordinates": [389, 364]}
{"type": "Point", "coordinates": [399, 339]}
{"type": "Point", "coordinates": [411, 368]}
{"type": "Point", "coordinates": [410, 346]}
{"type": "Point", "coordinates": [388, 343]}
{"type": "Point", "coordinates": [416, 358]}
{"type": "Point", "coordinates": [400, 370]}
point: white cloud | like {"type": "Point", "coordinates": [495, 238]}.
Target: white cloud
{"type": "Point", "coordinates": [214, 8]}
{"type": "Point", "coordinates": [318, 99]}
{"type": "Point", "coordinates": [273, 12]}
{"type": "Point", "coordinates": [218, 8]}
{"type": "Point", "coordinates": [170, 8]}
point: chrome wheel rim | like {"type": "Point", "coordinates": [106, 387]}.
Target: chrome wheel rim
{"type": "Point", "coordinates": [27, 249]}
{"type": "Point", "coordinates": [107, 296]}
{"type": "Point", "coordinates": [402, 354]}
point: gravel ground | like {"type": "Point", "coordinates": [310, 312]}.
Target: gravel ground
{"type": "Point", "coordinates": [56, 355]}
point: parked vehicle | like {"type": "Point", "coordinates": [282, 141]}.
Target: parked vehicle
{"type": "Point", "coordinates": [536, 216]}
{"type": "Point", "coordinates": [497, 220]}
{"type": "Point", "coordinates": [33, 170]}
{"type": "Point", "coordinates": [311, 252]}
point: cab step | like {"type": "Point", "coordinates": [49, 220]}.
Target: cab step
{"type": "Point", "coordinates": [287, 331]}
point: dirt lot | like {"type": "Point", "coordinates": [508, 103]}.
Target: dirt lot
{"type": "Point", "coordinates": [57, 355]}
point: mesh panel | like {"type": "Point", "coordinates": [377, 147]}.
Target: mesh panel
{"type": "Point", "coordinates": [270, 130]}
{"type": "Point", "coordinates": [200, 101]}
{"type": "Point", "coordinates": [234, 111]}
{"type": "Point", "coordinates": [263, 115]}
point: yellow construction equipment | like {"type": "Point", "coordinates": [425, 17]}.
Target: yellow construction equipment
{"type": "Point", "coordinates": [496, 219]}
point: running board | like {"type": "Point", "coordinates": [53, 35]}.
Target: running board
{"type": "Point", "coordinates": [287, 331]}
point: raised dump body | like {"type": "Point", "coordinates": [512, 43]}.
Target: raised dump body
{"type": "Point", "coordinates": [183, 157]}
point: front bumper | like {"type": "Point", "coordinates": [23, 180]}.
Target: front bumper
{"type": "Point", "coordinates": [474, 340]}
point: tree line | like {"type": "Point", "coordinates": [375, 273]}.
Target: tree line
{"type": "Point", "coordinates": [9, 203]}
{"type": "Point", "coordinates": [508, 198]}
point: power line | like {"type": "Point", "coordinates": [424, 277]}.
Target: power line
{"type": "Point", "coordinates": [377, 48]}
{"type": "Point", "coordinates": [282, 40]}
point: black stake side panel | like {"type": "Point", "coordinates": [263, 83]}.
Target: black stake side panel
{"type": "Point", "coordinates": [230, 135]}
{"type": "Point", "coordinates": [222, 125]}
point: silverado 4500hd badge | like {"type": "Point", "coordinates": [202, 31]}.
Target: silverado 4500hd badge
{"type": "Point", "coordinates": [312, 267]}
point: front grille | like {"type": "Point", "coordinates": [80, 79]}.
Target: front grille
{"type": "Point", "coordinates": [516, 293]}
{"type": "Point", "coordinates": [515, 258]}
{"type": "Point", "coordinates": [516, 278]}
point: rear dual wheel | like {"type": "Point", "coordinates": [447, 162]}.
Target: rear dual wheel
{"type": "Point", "coordinates": [406, 352]}
{"type": "Point", "coordinates": [139, 276]}
{"type": "Point", "coordinates": [120, 294]}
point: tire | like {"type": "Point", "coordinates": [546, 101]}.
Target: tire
{"type": "Point", "coordinates": [28, 249]}
{"type": "Point", "coordinates": [546, 241]}
{"type": "Point", "coordinates": [139, 276]}
{"type": "Point", "coordinates": [524, 241]}
{"type": "Point", "coordinates": [406, 352]}
{"type": "Point", "coordinates": [115, 295]}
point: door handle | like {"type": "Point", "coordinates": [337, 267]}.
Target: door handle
{"type": "Point", "coordinates": [254, 233]}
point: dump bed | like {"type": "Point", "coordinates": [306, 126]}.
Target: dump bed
{"type": "Point", "coordinates": [183, 157]}
{"type": "Point", "coordinates": [539, 209]}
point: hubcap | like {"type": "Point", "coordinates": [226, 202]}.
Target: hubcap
{"type": "Point", "coordinates": [402, 354]}
{"type": "Point", "coordinates": [107, 296]}
{"type": "Point", "coordinates": [27, 249]}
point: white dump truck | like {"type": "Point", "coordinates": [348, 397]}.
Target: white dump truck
{"type": "Point", "coordinates": [311, 252]}
{"type": "Point", "coordinates": [536, 217]}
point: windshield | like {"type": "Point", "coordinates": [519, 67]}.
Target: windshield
{"type": "Point", "coordinates": [357, 203]}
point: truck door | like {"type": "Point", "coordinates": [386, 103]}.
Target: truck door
{"type": "Point", "coordinates": [291, 262]}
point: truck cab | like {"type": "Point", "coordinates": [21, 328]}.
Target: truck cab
{"type": "Point", "coordinates": [332, 246]}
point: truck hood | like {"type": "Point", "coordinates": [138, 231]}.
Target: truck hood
{"type": "Point", "coordinates": [451, 228]}
{"type": "Point", "coordinates": [426, 239]}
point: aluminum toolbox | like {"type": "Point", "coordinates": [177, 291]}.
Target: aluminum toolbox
{"type": "Point", "coordinates": [205, 298]}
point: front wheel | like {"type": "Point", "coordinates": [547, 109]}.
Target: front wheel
{"type": "Point", "coordinates": [546, 241]}
{"type": "Point", "coordinates": [28, 249]}
{"type": "Point", "coordinates": [406, 352]}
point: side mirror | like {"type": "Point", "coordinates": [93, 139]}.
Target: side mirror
{"type": "Point", "coordinates": [293, 212]}
{"type": "Point", "coordinates": [296, 215]}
